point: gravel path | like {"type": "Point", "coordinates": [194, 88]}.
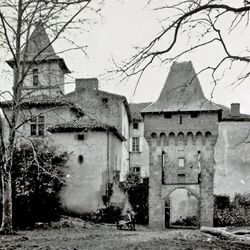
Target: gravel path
{"type": "Point", "coordinates": [108, 237]}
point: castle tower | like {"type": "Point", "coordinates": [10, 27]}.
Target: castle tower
{"type": "Point", "coordinates": [181, 128]}
{"type": "Point", "coordinates": [45, 69]}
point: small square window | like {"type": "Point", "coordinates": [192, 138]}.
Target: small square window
{"type": "Point", "coordinates": [105, 101]}
{"type": "Point", "coordinates": [135, 125]}
{"type": "Point", "coordinates": [167, 115]}
{"type": "Point", "coordinates": [80, 137]}
{"type": "Point", "coordinates": [194, 114]}
{"type": "Point", "coordinates": [135, 170]}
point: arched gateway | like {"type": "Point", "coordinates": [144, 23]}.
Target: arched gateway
{"type": "Point", "coordinates": [181, 152]}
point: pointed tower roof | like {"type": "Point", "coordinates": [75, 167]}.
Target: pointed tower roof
{"type": "Point", "coordinates": [38, 48]}
{"type": "Point", "coordinates": [181, 92]}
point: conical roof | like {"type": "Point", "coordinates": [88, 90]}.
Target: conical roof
{"type": "Point", "coordinates": [181, 92]}
{"type": "Point", "coordinates": [38, 48]}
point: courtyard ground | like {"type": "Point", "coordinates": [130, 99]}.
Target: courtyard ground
{"type": "Point", "coordinates": [80, 235]}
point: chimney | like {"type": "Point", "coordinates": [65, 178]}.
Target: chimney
{"type": "Point", "coordinates": [88, 84]}
{"type": "Point", "coordinates": [235, 109]}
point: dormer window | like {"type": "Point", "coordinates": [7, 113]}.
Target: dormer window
{"type": "Point", "coordinates": [35, 77]}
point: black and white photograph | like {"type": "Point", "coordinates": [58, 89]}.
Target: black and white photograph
{"type": "Point", "coordinates": [124, 124]}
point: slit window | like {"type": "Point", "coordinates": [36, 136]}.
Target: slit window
{"type": "Point", "coordinates": [35, 77]}
{"type": "Point", "coordinates": [80, 159]}
{"type": "Point", "coordinates": [105, 101]}
{"type": "Point", "coordinates": [180, 119]}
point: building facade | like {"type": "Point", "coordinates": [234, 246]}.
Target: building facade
{"type": "Point", "coordinates": [196, 149]}
{"type": "Point", "coordinates": [181, 128]}
{"type": "Point", "coordinates": [90, 124]}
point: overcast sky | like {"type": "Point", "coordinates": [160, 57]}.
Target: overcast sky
{"type": "Point", "coordinates": [123, 25]}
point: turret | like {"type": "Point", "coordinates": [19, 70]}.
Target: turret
{"type": "Point", "coordinates": [46, 70]}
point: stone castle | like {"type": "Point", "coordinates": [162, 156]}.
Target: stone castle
{"type": "Point", "coordinates": [183, 142]}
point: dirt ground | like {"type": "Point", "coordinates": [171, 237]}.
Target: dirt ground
{"type": "Point", "coordinates": [80, 235]}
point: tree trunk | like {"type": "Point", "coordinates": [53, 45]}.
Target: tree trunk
{"type": "Point", "coordinates": [6, 226]}
{"type": "Point", "coordinates": [222, 233]}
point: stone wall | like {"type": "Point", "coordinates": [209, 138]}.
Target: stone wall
{"type": "Point", "coordinates": [193, 141]}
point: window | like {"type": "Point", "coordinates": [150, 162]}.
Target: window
{"type": "Point", "coordinates": [80, 159]}
{"type": "Point", "coordinates": [105, 101]}
{"type": "Point", "coordinates": [181, 162]}
{"type": "Point", "coordinates": [180, 119]}
{"type": "Point", "coordinates": [194, 114]}
{"type": "Point", "coordinates": [181, 178]}
{"type": "Point", "coordinates": [167, 115]}
{"type": "Point", "coordinates": [80, 137]}
{"type": "Point", "coordinates": [135, 144]}
{"type": "Point", "coordinates": [35, 77]}
{"type": "Point", "coordinates": [37, 125]}
{"type": "Point", "coordinates": [136, 170]}
{"type": "Point", "coordinates": [135, 125]}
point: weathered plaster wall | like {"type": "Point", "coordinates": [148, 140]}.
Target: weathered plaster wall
{"type": "Point", "coordinates": [50, 77]}
{"type": "Point", "coordinates": [232, 158]}
{"type": "Point", "coordinates": [140, 159]}
{"type": "Point", "coordinates": [87, 181]}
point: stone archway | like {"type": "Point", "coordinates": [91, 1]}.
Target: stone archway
{"type": "Point", "coordinates": [181, 204]}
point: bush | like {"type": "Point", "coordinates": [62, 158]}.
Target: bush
{"type": "Point", "coordinates": [236, 214]}
{"type": "Point", "coordinates": [37, 178]}
{"type": "Point", "coordinates": [138, 196]}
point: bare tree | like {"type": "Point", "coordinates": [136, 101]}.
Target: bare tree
{"type": "Point", "coordinates": [18, 18]}
{"type": "Point", "coordinates": [191, 25]}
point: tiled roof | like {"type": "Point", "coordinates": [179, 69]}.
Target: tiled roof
{"type": "Point", "coordinates": [43, 100]}
{"type": "Point", "coordinates": [136, 109]}
{"type": "Point", "coordinates": [181, 92]}
{"type": "Point", "coordinates": [39, 47]}
{"type": "Point", "coordinates": [82, 123]}
{"type": "Point", "coordinates": [101, 93]}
